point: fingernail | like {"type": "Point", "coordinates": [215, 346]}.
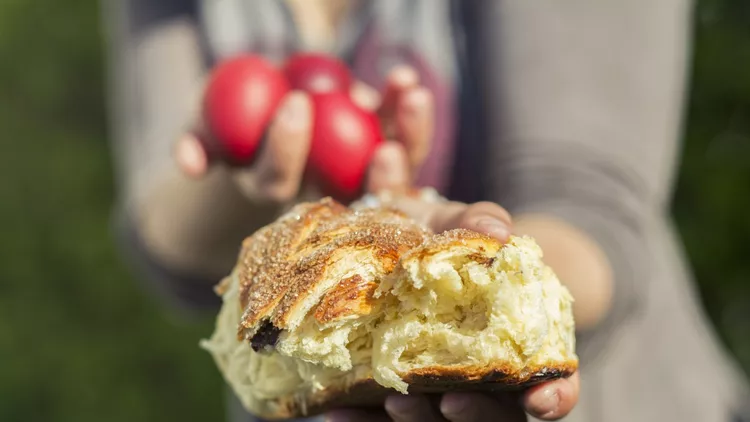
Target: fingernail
{"type": "Point", "coordinates": [453, 404]}
{"type": "Point", "coordinates": [399, 405]}
{"type": "Point", "coordinates": [365, 97]}
{"type": "Point", "coordinates": [191, 156]}
{"type": "Point", "coordinates": [294, 113]}
{"type": "Point", "coordinates": [547, 405]}
{"type": "Point", "coordinates": [494, 228]}
{"type": "Point", "coordinates": [391, 152]}
{"type": "Point", "coordinates": [414, 102]}
{"type": "Point", "coordinates": [417, 98]}
{"type": "Point", "coordinates": [335, 417]}
{"type": "Point", "coordinates": [405, 75]}
{"type": "Point", "coordinates": [340, 416]}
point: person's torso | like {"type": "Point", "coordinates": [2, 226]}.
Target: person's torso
{"type": "Point", "coordinates": [662, 363]}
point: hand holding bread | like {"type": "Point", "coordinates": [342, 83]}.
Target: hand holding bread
{"type": "Point", "coordinates": [332, 307]}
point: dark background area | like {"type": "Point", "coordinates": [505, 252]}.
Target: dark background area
{"type": "Point", "coordinates": [80, 341]}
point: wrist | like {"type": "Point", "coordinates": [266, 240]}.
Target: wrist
{"type": "Point", "coordinates": [579, 262]}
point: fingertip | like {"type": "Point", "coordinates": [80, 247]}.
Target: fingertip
{"type": "Point", "coordinates": [542, 403]}
{"type": "Point", "coordinates": [356, 415]}
{"type": "Point", "coordinates": [491, 227]}
{"type": "Point", "coordinates": [415, 123]}
{"type": "Point", "coordinates": [552, 400]}
{"type": "Point", "coordinates": [481, 210]}
{"type": "Point", "coordinates": [339, 416]}
{"type": "Point", "coordinates": [398, 404]}
{"type": "Point", "coordinates": [390, 152]}
{"type": "Point", "coordinates": [409, 408]}
{"type": "Point", "coordinates": [417, 99]}
{"type": "Point", "coordinates": [403, 75]}
{"type": "Point", "coordinates": [365, 96]}
{"type": "Point", "coordinates": [400, 78]}
{"type": "Point", "coordinates": [454, 404]}
{"type": "Point", "coordinates": [191, 156]}
{"type": "Point", "coordinates": [465, 407]}
{"type": "Point", "coordinates": [487, 218]}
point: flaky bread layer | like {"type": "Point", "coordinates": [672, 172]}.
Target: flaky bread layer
{"type": "Point", "coordinates": [458, 312]}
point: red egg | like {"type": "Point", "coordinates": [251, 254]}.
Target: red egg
{"type": "Point", "coordinates": [317, 73]}
{"type": "Point", "coordinates": [240, 100]}
{"type": "Point", "coordinates": [344, 139]}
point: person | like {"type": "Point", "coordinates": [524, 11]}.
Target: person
{"type": "Point", "coordinates": [565, 115]}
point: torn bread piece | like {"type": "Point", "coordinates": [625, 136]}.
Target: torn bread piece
{"type": "Point", "coordinates": [331, 307]}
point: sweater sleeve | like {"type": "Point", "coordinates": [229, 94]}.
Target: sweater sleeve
{"type": "Point", "coordinates": [583, 102]}
{"type": "Point", "coordinates": [155, 65]}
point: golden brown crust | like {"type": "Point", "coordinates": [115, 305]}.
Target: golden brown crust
{"type": "Point", "coordinates": [368, 393]}
{"type": "Point", "coordinates": [455, 238]}
{"type": "Point", "coordinates": [264, 257]}
{"type": "Point", "coordinates": [352, 296]}
{"type": "Point", "coordinates": [283, 262]}
{"type": "Point", "coordinates": [497, 377]}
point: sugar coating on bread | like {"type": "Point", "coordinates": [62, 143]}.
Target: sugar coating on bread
{"type": "Point", "coordinates": [457, 305]}
{"type": "Point", "coordinates": [288, 266]}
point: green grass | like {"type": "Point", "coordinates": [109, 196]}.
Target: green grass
{"type": "Point", "coordinates": [80, 340]}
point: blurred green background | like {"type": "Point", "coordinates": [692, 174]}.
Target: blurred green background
{"type": "Point", "coordinates": [80, 341]}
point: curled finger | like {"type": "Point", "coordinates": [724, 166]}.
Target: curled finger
{"type": "Point", "coordinates": [191, 155]}
{"type": "Point", "coordinates": [412, 408]}
{"type": "Point", "coordinates": [389, 169]}
{"type": "Point", "coordinates": [399, 80]}
{"type": "Point", "coordinates": [365, 96]}
{"type": "Point", "coordinates": [415, 123]}
{"type": "Point", "coordinates": [357, 415]}
{"type": "Point", "coordinates": [553, 400]}
{"type": "Point", "coordinates": [484, 217]}
{"type": "Point", "coordinates": [478, 407]}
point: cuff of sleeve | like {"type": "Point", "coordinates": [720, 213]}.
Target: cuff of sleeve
{"type": "Point", "coordinates": [186, 292]}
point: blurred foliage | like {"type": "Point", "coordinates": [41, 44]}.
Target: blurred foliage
{"type": "Point", "coordinates": [79, 340]}
{"type": "Point", "coordinates": [712, 201]}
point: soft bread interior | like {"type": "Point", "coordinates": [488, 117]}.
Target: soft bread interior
{"type": "Point", "coordinates": [328, 343]}
{"type": "Point", "coordinates": [259, 380]}
{"type": "Point", "coordinates": [449, 308]}
{"type": "Point", "coordinates": [456, 308]}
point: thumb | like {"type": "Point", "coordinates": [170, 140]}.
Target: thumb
{"type": "Point", "coordinates": [277, 174]}
{"type": "Point", "coordinates": [191, 155]}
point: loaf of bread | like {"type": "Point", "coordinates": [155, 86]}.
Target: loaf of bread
{"type": "Point", "coordinates": [330, 306]}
